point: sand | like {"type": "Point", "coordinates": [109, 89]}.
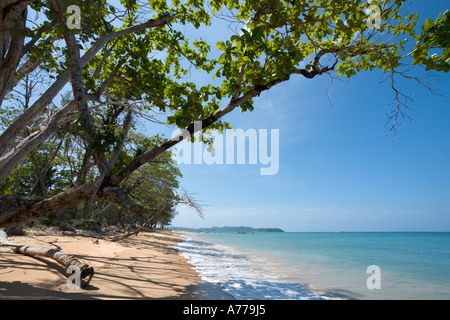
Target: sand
{"type": "Point", "coordinates": [145, 266]}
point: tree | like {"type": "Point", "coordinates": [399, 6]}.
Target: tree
{"type": "Point", "coordinates": [136, 58]}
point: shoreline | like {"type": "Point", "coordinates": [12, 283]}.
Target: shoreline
{"type": "Point", "coordinates": [144, 266]}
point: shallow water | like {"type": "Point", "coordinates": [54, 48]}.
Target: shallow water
{"type": "Point", "coordinates": [294, 265]}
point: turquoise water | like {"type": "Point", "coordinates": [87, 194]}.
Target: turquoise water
{"type": "Point", "coordinates": [291, 265]}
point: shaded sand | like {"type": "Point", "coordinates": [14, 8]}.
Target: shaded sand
{"type": "Point", "coordinates": [145, 266]}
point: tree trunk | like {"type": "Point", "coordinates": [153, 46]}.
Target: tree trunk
{"type": "Point", "coordinates": [69, 262]}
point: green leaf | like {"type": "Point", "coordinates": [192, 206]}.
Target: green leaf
{"type": "Point", "coordinates": [221, 45]}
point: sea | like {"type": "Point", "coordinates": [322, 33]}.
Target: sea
{"type": "Point", "coordinates": [323, 265]}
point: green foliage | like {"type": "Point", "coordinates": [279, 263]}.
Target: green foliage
{"type": "Point", "coordinates": [49, 220]}
{"type": "Point", "coordinates": [23, 181]}
{"type": "Point", "coordinates": [276, 38]}
{"type": "Point", "coordinates": [435, 35]}
{"type": "Point", "coordinates": [7, 187]}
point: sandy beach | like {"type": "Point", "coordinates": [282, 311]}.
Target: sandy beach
{"type": "Point", "coordinates": [145, 266]}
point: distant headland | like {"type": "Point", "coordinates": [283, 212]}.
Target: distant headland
{"type": "Point", "coordinates": [227, 229]}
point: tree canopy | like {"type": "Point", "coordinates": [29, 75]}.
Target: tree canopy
{"type": "Point", "coordinates": [130, 60]}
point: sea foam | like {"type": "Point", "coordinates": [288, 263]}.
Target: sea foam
{"type": "Point", "coordinates": [238, 274]}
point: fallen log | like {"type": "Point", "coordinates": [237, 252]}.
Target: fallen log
{"type": "Point", "coordinates": [71, 264]}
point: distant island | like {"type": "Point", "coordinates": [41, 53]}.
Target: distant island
{"type": "Point", "coordinates": [227, 229]}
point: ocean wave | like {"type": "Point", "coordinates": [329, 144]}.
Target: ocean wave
{"type": "Point", "coordinates": [240, 276]}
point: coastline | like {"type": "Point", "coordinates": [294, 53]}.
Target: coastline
{"type": "Point", "coordinates": [145, 266]}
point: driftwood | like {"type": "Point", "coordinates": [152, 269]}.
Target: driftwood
{"type": "Point", "coordinates": [69, 262]}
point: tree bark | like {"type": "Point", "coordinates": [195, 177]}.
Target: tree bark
{"type": "Point", "coordinates": [13, 15]}
{"type": "Point", "coordinates": [81, 101]}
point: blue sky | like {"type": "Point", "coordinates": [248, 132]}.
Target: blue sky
{"type": "Point", "coordinates": [339, 168]}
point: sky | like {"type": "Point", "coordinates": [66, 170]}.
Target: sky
{"type": "Point", "coordinates": [340, 169]}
